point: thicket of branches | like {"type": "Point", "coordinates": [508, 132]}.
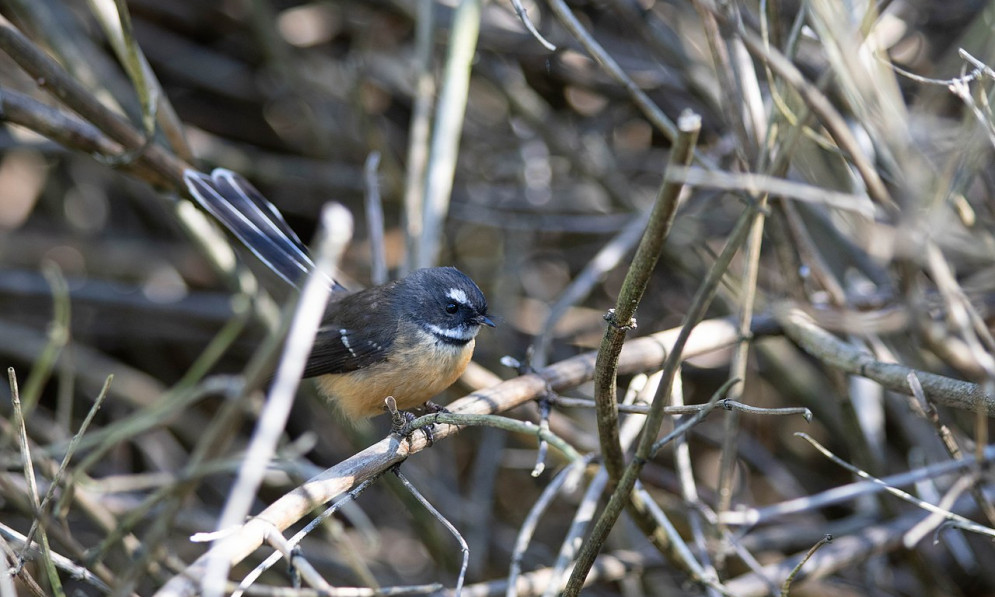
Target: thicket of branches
{"type": "Point", "coordinates": [807, 187]}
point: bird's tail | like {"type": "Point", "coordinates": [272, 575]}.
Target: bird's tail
{"type": "Point", "coordinates": [243, 210]}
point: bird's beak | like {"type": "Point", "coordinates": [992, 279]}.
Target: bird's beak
{"type": "Point", "coordinates": [485, 320]}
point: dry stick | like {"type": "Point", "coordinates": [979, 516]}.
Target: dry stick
{"type": "Point", "coordinates": [921, 406]}
{"type": "Point", "coordinates": [32, 482]}
{"type": "Point", "coordinates": [505, 423]}
{"type": "Point", "coordinates": [786, 587]}
{"type": "Point", "coordinates": [960, 521]}
{"type": "Point", "coordinates": [686, 424]}
{"type": "Point", "coordinates": [639, 495]}
{"type": "Point", "coordinates": [851, 359]}
{"type": "Point", "coordinates": [842, 553]}
{"type": "Point", "coordinates": [523, 15]}
{"type": "Point", "coordinates": [851, 491]}
{"type": "Point", "coordinates": [45, 508]}
{"type": "Point", "coordinates": [813, 258]}
{"type": "Point", "coordinates": [688, 409]}
{"type": "Point", "coordinates": [682, 553]}
{"type": "Point", "coordinates": [336, 231]}
{"type": "Point", "coordinates": [303, 568]}
{"type": "Point", "coordinates": [937, 520]}
{"type": "Point", "coordinates": [268, 563]}
{"type": "Point", "coordinates": [8, 561]}
{"type": "Point", "coordinates": [449, 116]}
{"type": "Point", "coordinates": [588, 507]}
{"type": "Point", "coordinates": [609, 568]}
{"type": "Point", "coordinates": [166, 169]}
{"type": "Point", "coordinates": [418, 133]}
{"type": "Point", "coordinates": [67, 130]}
{"type": "Point", "coordinates": [652, 112]}
{"type": "Point", "coordinates": [620, 497]}
{"type": "Point", "coordinates": [464, 548]}
{"type": "Point", "coordinates": [728, 454]}
{"type": "Point", "coordinates": [641, 354]}
{"type": "Point", "coordinates": [822, 107]}
{"type": "Point", "coordinates": [527, 530]}
{"type": "Point", "coordinates": [374, 219]}
{"type": "Point", "coordinates": [731, 101]}
{"type": "Point", "coordinates": [688, 488]}
{"type": "Point", "coordinates": [620, 319]}
{"type": "Point", "coordinates": [52, 77]}
{"type": "Point", "coordinates": [757, 184]}
{"type": "Point", "coordinates": [73, 569]}
{"type": "Point", "coordinates": [973, 329]}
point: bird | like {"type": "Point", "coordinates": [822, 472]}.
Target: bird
{"type": "Point", "coordinates": [411, 338]}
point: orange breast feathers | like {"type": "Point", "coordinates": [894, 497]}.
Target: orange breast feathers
{"type": "Point", "coordinates": [418, 368]}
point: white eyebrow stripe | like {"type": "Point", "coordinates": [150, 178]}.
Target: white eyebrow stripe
{"type": "Point", "coordinates": [458, 295]}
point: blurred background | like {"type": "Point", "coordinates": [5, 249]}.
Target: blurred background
{"type": "Point", "coordinates": [558, 163]}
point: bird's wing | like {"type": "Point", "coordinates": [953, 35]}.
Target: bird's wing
{"type": "Point", "coordinates": [256, 222]}
{"type": "Point", "coordinates": [341, 350]}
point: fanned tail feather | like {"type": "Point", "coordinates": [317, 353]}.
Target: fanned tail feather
{"type": "Point", "coordinates": [256, 222]}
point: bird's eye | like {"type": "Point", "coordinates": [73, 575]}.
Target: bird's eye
{"type": "Point", "coordinates": [451, 308]}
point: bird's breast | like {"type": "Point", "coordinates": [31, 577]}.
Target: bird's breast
{"type": "Point", "coordinates": [417, 369]}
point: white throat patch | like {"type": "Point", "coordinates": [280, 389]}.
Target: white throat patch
{"type": "Point", "coordinates": [461, 333]}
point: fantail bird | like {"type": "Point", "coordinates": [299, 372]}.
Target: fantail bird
{"type": "Point", "coordinates": [410, 339]}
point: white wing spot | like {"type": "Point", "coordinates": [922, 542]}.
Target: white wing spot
{"type": "Point", "coordinates": [344, 336]}
{"type": "Point", "coordinates": [458, 295]}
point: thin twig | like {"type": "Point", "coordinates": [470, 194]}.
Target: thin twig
{"type": "Point", "coordinates": [689, 409]}
{"type": "Point", "coordinates": [523, 15]}
{"type": "Point", "coordinates": [689, 490]}
{"type": "Point", "coordinates": [32, 482]}
{"type": "Point", "coordinates": [962, 522]}
{"type": "Point", "coordinates": [786, 587]}
{"type": "Point", "coordinates": [603, 58]}
{"type": "Point", "coordinates": [294, 541]}
{"type": "Point", "coordinates": [505, 423]}
{"type": "Point", "coordinates": [46, 503]}
{"type": "Point", "coordinates": [298, 562]}
{"type": "Point", "coordinates": [588, 507]}
{"type": "Point", "coordinates": [767, 514]}
{"type": "Point", "coordinates": [538, 509]}
{"type": "Point", "coordinates": [621, 318]}
{"type": "Point", "coordinates": [71, 568]}
{"type": "Point", "coordinates": [464, 548]}
{"type": "Point", "coordinates": [758, 184]}
{"type": "Point", "coordinates": [698, 417]}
